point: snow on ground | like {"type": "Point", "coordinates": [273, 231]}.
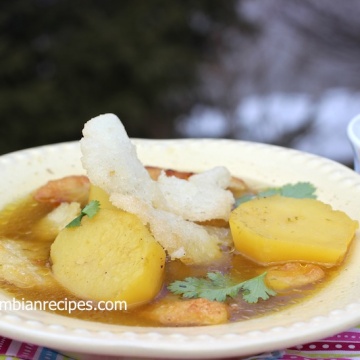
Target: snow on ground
{"type": "Point", "coordinates": [265, 118]}
{"type": "Point", "coordinates": [335, 110]}
{"type": "Point", "coordinates": [203, 122]}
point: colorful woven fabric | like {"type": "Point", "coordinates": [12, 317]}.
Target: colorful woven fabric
{"type": "Point", "coordinates": [345, 345]}
{"type": "Point", "coordinates": [14, 350]}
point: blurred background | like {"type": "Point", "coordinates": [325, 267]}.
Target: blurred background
{"type": "Point", "coordinates": [283, 72]}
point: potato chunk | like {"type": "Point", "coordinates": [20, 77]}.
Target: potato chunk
{"type": "Point", "coordinates": [279, 229]}
{"type": "Point", "coordinates": [96, 193]}
{"type": "Point", "coordinates": [110, 257]}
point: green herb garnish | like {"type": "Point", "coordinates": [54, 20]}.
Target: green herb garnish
{"type": "Point", "coordinates": [90, 210]}
{"type": "Point", "coordinates": [300, 190]}
{"type": "Point", "coordinates": [217, 287]}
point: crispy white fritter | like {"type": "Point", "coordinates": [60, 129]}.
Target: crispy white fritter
{"type": "Point", "coordinates": [170, 206]}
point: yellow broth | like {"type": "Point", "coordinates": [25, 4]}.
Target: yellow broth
{"type": "Point", "coordinates": [17, 221]}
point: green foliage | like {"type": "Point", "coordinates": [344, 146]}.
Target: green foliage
{"type": "Point", "coordinates": [63, 62]}
{"type": "Point", "coordinates": [218, 287]}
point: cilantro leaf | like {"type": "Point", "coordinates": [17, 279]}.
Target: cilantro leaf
{"type": "Point", "coordinates": [255, 289]}
{"type": "Point", "coordinates": [300, 190]}
{"type": "Point", "coordinates": [218, 287]}
{"type": "Point", "coordinates": [244, 199]}
{"type": "Point", "coordinates": [76, 222]}
{"type": "Point", "coordinates": [90, 210]}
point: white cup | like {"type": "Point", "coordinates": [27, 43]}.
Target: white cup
{"type": "Point", "coordinates": [353, 133]}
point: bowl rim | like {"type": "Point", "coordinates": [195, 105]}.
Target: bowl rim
{"type": "Point", "coordinates": [83, 337]}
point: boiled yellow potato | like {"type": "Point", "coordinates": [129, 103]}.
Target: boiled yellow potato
{"type": "Point", "coordinates": [96, 193]}
{"type": "Point", "coordinates": [110, 257]}
{"type": "Point", "coordinates": [279, 229]}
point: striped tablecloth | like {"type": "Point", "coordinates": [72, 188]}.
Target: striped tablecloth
{"type": "Point", "coordinates": [345, 345]}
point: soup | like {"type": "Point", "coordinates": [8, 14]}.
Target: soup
{"type": "Point", "coordinates": [18, 226]}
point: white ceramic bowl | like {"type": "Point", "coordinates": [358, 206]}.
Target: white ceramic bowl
{"type": "Point", "coordinates": [334, 309]}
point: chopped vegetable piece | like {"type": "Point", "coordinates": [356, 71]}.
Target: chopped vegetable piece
{"type": "Point", "coordinates": [90, 210]}
{"type": "Point", "coordinates": [217, 287]}
{"type": "Point", "coordinates": [280, 229]}
{"type": "Point", "coordinates": [300, 190]}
